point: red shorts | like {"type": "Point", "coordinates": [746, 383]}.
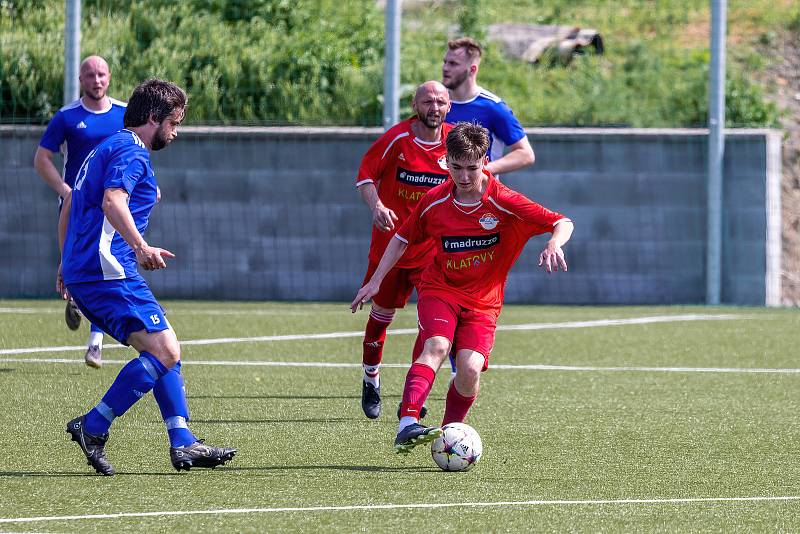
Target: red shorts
{"type": "Point", "coordinates": [396, 287]}
{"type": "Point", "coordinates": [471, 330]}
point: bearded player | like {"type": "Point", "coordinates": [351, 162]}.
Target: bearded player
{"type": "Point", "coordinates": [398, 169]}
{"type": "Point", "coordinates": [478, 227]}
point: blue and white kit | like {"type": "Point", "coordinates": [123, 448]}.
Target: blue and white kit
{"type": "Point", "coordinates": [491, 112]}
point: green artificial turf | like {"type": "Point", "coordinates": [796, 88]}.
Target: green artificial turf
{"type": "Point", "coordinates": [557, 442]}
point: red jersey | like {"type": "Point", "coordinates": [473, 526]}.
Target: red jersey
{"type": "Point", "coordinates": [476, 244]}
{"type": "Point", "coordinates": [403, 168]}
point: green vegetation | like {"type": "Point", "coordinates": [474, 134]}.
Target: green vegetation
{"type": "Point", "coordinates": [549, 435]}
{"type": "Point", "coordinates": [319, 62]}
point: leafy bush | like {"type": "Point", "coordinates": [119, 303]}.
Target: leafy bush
{"type": "Point", "coordinates": [321, 61]}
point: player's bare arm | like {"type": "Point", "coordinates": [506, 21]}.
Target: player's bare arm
{"type": "Point", "coordinates": [43, 163]}
{"type": "Point", "coordinates": [63, 223]}
{"type": "Point", "coordinates": [383, 218]}
{"type": "Point", "coordinates": [552, 257]}
{"type": "Point", "coordinates": [115, 207]}
{"type": "Point", "coordinates": [519, 155]}
{"type": "Point", "coordinates": [394, 251]}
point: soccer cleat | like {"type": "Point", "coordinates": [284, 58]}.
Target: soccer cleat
{"type": "Point", "coordinates": [93, 447]}
{"type": "Point", "coordinates": [422, 411]}
{"type": "Point", "coordinates": [93, 356]}
{"type": "Point", "coordinates": [413, 435]}
{"type": "Point", "coordinates": [371, 400]}
{"type": "Point", "coordinates": [72, 316]}
{"type": "Point", "coordinates": [198, 454]}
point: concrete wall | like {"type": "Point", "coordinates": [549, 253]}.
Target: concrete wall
{"type": "Point", "coordinates": [271, 213]}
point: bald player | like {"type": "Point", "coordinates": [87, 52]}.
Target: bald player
{"type": "Point", "coordinates": [398, 169]}
{"type": "Point", "coordinates": [75, 130]}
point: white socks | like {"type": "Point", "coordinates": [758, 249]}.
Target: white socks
{"type": "Point", "coordinates": [95, 338]}
{"type": "Point", "coordinates": [406, 421]}
{"type": "Point", "coordinates": [372, 374]}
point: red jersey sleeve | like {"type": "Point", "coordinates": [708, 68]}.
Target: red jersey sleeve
{"type": "Point", "coordinates": [412, 230]}
{"type": "Point", "coordinates": [534, 219]}
{"type": "Point", "coordinates": [375, 160]}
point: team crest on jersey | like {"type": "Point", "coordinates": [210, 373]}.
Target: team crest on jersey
{"type": "Point", "coordinates": [442, 161]}
{"type": "Point", "coordinates": [401, 157]}
{"type": "Point", "coordinates": [488, 221]}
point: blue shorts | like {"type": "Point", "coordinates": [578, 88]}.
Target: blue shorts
{"type": "Point", "coordinates": [119, 307]}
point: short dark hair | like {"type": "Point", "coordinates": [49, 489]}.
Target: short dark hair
{"type": "Point", "coordinates": [467, 141]}
{"type": "Point", "coordinates": [153, 98]}
{"type": "Point", "coordinates": [470, 45]}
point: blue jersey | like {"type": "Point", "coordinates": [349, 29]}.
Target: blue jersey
{"type": "Point", "coordinates": [79, 130]}
{"type": "Point", "coordinates": [93, 250]}
{"type": "Point", "coordinates": [491, 112]}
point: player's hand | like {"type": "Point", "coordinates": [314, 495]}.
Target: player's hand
{"type": "Point", "coordinates": [152, 258]}
{"type": "Point", "coordinates": [552, 258]}
{"type": "Point", "coordinates": [363, 296]}
{"type": "Point", "coordinates": [383, 218]}
{"type": "Point", "coordinates": [61, 288]}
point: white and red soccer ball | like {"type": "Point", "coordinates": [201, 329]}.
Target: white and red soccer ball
{"type": "Point", "coordinates": [458, 448]}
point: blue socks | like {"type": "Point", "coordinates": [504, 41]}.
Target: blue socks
{"type": "Point", "coordinates": [132, 383]}
{"type": "Point", "coordinates": [453, 362]}
{"type": "Point", "coordinates": [171, 398]}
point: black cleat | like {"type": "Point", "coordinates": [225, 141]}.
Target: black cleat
{"type": "Point", "coordinates": [422, 411]}
{"type": "Point", "coordinates": [414, 435]}
{"type": "Point", "coordinates": [93, 447]}
{"type": "Point", "coordinates": [198, 454]}
{"type": "Point", "coordinates": [72, 316]}
{"type": "Point", "coordinates": [371, 400]}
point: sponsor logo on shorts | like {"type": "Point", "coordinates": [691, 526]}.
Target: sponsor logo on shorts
{"type": "Point", "coordinates": [420, 179]}
{"type": "Point", "coordinates": [468, 243]}
{"type": "Point", "coordinates": [440, 319]}
{"type": "Point", "coordinates": [488, 221]}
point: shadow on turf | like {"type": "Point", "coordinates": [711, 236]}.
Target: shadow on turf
{"type": "Point", "coordinates": [64, 474]}
{"type": "Point", "coordinates": [286, 397]}
{"type": "Point", "coordinates": [261, 421]}
{"type": "Point", "coordinates": [367, 468]}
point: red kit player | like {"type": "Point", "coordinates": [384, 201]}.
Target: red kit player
{"type": "Point", "coordinates": [478, 227]}
{"type": "Point", "coordinates": [396, 172]}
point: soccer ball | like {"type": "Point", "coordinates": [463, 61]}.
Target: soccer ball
{"type": "Point", "coordinates": [458, 448]}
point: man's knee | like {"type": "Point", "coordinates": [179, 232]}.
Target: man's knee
{"type": "Point", "coordinates": [381, 309]}
{"type": "Point", "coordinates": [436, 349]}
{"type": "Point", "coordinates": [163, 345]}
{"type": "Point", "coordinates": [469, 368]}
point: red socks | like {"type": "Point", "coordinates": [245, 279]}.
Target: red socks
{"type": "Point", "coordinates": [419, 344]}
{"type": "Point", "coordinates": [419, 382]}
{"type": "Point", "coordinates": [457, 406]}
{"type": "Point", "coordinates": [374, 336]}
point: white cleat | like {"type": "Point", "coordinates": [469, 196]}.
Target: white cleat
{"type": "Point", "coordinates": [94, 357]}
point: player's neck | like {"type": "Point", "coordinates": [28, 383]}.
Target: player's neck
{"type": "Point", "coordinates": [470, 196]}
{"type": "Point", "coordinates": [95, 105]}
{"type": "Point", "coordinates": [466, 91]}
{"type": "Point", "coordinates": [429, 135]}
{"type": "Point", "coordinates": [145, 133]}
